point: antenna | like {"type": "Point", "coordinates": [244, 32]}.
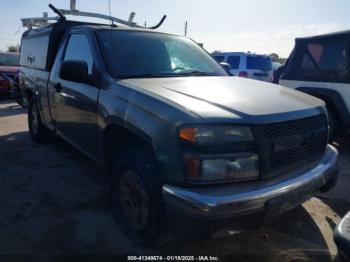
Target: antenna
{"type": "Point", "coordinates": [109, 10]}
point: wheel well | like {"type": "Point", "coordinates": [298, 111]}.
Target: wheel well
{"type": "Point", "coordinates": [118, 139]}
{"type": "Point", "coordinates": [329, 104]}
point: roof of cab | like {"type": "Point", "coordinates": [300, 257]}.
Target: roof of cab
{"type": "Point", "coordinates": [338, 34]}
{"type": "Point", "coordinates": [119, 28]}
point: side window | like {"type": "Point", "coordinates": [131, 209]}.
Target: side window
{"type": "Point", "coordinates": [34, 51]}
{"type": "Point", "coordinates": [78, 48]}
{"type": "Point", "coordinates": [219, 59]}
{"type": "Point", "coordinates": [234, 61]}
{"type": "Point", "coordinates": [325, 61]}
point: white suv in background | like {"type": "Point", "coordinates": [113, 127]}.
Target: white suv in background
{"type": "Point", "coordinates": [248, 65]}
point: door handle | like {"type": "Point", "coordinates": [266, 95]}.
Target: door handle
{"type": "Point", "coordinates": [58, 87]}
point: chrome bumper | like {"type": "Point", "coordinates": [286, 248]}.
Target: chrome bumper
{"type": "Point", "coordinates": [250, 197]}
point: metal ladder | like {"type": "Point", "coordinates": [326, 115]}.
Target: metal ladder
{"type": "Point", "coordinates": [33, 22]}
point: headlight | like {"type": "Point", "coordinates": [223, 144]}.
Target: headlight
{"type": "Point", "coordinates": [229, 153]}
{"type": "Point", "coordinates": [209, 135]}
{"type": "Point", "coordinates": [238, 168]}
{"type": "Point", "coordinates": [223, 168]}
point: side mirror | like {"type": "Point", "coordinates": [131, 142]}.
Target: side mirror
{"type": "Point", "coordinates": [226, 66]}
{"type": "Point", "coordinates": [75, 71]}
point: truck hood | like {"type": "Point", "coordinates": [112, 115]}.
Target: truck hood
{"type": "Point", "coordinates": [218, 98]}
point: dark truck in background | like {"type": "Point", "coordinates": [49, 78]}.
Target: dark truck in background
{"type": "Point", "coordinates": [188, 146]}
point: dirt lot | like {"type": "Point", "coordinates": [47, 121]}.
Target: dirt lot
{"type": "Point", "coordinates": [53, 200]}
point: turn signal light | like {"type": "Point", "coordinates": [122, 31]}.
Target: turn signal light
{"type": "Point", "coordinates": [188, 134]}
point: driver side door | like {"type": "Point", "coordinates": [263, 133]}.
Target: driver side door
{"type": "Point", "coordinates": [74, 104]}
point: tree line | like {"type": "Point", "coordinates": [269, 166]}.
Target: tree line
{"type": "Point", "coordinates": [13, 48]}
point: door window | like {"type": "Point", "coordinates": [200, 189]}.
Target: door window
{"type": "Point", "coordinates": [320, 60]}
{"type": "Point", "coordinates": [326, 60]}
{"type": "Point", "coordinates": [78, 48]}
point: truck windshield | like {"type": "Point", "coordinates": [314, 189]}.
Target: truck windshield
{"type": "Point", "coordinates": [132, 54]}
{"type": "Point", "coordinates": [9, 59]}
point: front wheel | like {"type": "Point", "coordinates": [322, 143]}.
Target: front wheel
{"type": "Point", "coordinates": [38, 132]}
{"type": "Point", "coordinates": [136, 195]}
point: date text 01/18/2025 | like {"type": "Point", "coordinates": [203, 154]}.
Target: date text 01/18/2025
{"type": "Point", "coordinates": [173, 258]}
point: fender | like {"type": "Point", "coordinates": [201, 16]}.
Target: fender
{"type": "Point", "coordinates": [331, 95]}
{"type": "Point", "coordinates": [121, 123]}
{"type": "Point", "coordinates": [114, 120]}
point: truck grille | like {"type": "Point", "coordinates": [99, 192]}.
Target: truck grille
{"type": "Point", "coordinates": [287, 145]}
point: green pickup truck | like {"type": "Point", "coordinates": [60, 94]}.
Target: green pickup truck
{"type": "Point", "coordinates": [188, 145]}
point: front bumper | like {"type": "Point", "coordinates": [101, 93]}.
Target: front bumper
{"type": "Point", "coordinates": [264, 200]}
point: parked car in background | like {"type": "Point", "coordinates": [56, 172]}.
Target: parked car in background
{"type": "Point", "coordinates": [9, 65]}
{"type": "Point", "coordinates": [247, 65]}
{"type": "Point", "coordinates": [319, 66]}
{"type": "Point", "coordinates": [275, 67]}
{"type": "Point", "coordinates": [342, 235]}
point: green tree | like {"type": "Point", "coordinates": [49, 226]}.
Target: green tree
{"type": "Point", "coordinates": [276, 58]}
{"type": "Point", "coordinates": [13, 48]}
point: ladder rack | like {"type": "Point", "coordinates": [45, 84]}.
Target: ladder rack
{"type": "Point", "coordinates": [38, 21]}
{"type": "Point", "coordinates": [45, 20]}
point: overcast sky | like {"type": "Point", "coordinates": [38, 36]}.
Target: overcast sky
{"type": "Point", "coordinates": [260, 26]}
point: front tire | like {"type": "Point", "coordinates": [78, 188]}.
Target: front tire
{"type": "Point", "coordinates": [136, 195]}
{"type": "Point", "coordinates": [38, 132]}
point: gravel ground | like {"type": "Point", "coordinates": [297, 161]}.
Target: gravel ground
{"type": "Point", "coordinates": [53, 200]}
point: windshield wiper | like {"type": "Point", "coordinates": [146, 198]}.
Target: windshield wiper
{"type": "Point", "coordinates": [196, 73]}
{"type": "Point", "coordinates": [147, 75]}
{"type": "Point", "coordinates": [179, 74]}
